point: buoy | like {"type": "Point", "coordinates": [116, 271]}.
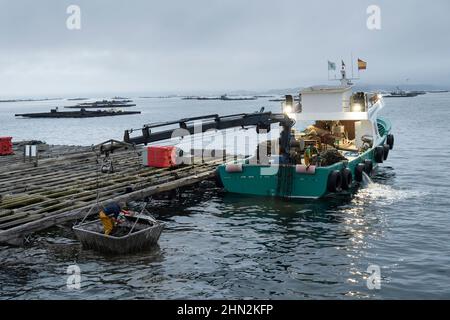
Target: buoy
{"type": "Point", "coordinates": [234, 168]}
{"type": "Point", "coordinates": [379, 154]}
{"type": "Point", "coordinates": [334, 181]}
{"type": "Point", "coordinates": [305, 169]}
{"type": "Point", "coordinates": [346, 178]}
{"type": "Point", "coordinates": [360, 168]}
{"type": "Point", "coordinates": [390, 141]}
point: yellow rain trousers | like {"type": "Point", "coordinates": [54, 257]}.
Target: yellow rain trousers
{"type": "Point", "coordinates": [108, 223]}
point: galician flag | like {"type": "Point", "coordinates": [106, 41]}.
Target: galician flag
{"type": "Point", "coordinates": [331, 65]}
{"type": "Point", "coordinates": [362, 65]}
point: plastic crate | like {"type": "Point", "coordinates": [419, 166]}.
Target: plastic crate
{"type": "Point", "coordinates": [160, 156]}
{"type": "Point", "coordinates": [6, 147]}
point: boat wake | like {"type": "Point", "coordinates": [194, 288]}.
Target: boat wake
{"type": "Point", "coordinates": [366, 180]}
{"type": "Point", "coordinates": [371, 190]}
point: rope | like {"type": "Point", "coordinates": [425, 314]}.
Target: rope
{"type": "Point", "coordinates": [97, 204]}
{"type": "Point", "coordinates": [137, 219]}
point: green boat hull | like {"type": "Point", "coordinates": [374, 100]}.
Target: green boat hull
{"type": "Point", "coordinates": [261, 180]}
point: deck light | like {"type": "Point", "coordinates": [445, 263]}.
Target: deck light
{"type": "Point", "coordinates": [356, 107]}
{"type": "Point", "coordinates": [287, 108]}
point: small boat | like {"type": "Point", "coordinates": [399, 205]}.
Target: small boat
{"type": "Point", "coordinates": [403, 94]}
{"type": "Point", "coordinates": [82, 113]}
{"type": "Point", "coordinates": [136, 233]}
{"type": "Point", "coordinates": [223, 97]}
{"type": "Point", "coordinates": [77, 99]}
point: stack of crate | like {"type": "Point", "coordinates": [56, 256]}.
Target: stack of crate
{"type": "Point", "coordinates": [6, 147]}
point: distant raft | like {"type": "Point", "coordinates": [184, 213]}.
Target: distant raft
{"type": "Point", "coordinates": [83, 113]}
{"type": "Point", "coordinates": [104, 104]}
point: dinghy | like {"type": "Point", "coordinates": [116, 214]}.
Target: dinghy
{"type": "Point", "coordinates": [137, 233]}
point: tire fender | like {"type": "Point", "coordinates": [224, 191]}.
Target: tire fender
{"type": "Point", "coordinates": [390, 141]}
{"type": "Point", "coordinates": [368, 167]}
{"type": "Point", "coordinates": [379, 154]}
{"type": "Point", "coordinates": [334, 181]}
{"type": "Point", "coordinates": [360, 168]}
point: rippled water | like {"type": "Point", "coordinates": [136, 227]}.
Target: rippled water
{"type": "Point", "coordinates": [227, 246]}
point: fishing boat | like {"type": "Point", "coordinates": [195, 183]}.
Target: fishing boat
{"type": "Point", "coordinates": [337, 138]}
{"type": "Point", "coordinates": [399, 93]}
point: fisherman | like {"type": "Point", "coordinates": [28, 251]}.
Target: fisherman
{"type": "Point", "coordinates": [309, 152]}
{"type": "Point", "coordinates": [110, 217]}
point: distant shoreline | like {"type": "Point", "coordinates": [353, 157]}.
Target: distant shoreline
{"type": "Point", "coordinates": [238, 95]}
{"type": "Point", "coordinates": [29, 100]}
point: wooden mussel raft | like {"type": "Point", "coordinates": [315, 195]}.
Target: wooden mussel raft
{"type": "Point", "coordinates": [82, 113]}
{"type": "Point", "coordinates": [65, 185]}
{"type": "Point", "coordinates": [104, 104]}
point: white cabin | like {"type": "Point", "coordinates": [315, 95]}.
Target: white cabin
{"type": "Point", "coordinates": [340, 105]}
{"type": "Point", "coordinates": [336, 103]}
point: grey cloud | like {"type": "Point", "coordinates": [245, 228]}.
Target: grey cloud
{"type": "Point", "coordinates": [215, 45]}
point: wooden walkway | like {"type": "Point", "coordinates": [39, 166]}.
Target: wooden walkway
{"type": "Point", "coordinates": [65, 185]}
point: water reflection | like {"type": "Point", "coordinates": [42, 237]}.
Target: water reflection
{"type": "Point", "coordinates": [219, 245]}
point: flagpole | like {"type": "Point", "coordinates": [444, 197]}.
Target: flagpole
{"type": "Point", "coordinates": [358, 73]}
{"type": "Point", "coordinates": [351, 59]}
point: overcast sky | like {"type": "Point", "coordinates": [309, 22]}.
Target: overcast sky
{"type": "Point", "coordinates": [195, 45]}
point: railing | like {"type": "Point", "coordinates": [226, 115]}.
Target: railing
{"type": "Point", "coordinates": [346, 105]}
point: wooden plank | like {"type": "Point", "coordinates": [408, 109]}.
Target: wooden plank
{"type": "Point", "coordinates": [44, 223]}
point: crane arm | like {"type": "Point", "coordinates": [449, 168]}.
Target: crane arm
{"type": "Point", "coordinates": [262, 121]}
{"type": "Point", "coordinates": [194, 125]}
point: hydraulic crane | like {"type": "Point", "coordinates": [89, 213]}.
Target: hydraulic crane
{"type": "Point", "coordinates": [194, 125]}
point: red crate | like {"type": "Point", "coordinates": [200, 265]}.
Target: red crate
{"type": "Point", "coordinates": [6, 147]}
{"type": "Point", "coordinates": [160, 156]}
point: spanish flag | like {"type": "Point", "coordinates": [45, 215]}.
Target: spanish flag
{"type": "Point", "coordinates": [362, 65]}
